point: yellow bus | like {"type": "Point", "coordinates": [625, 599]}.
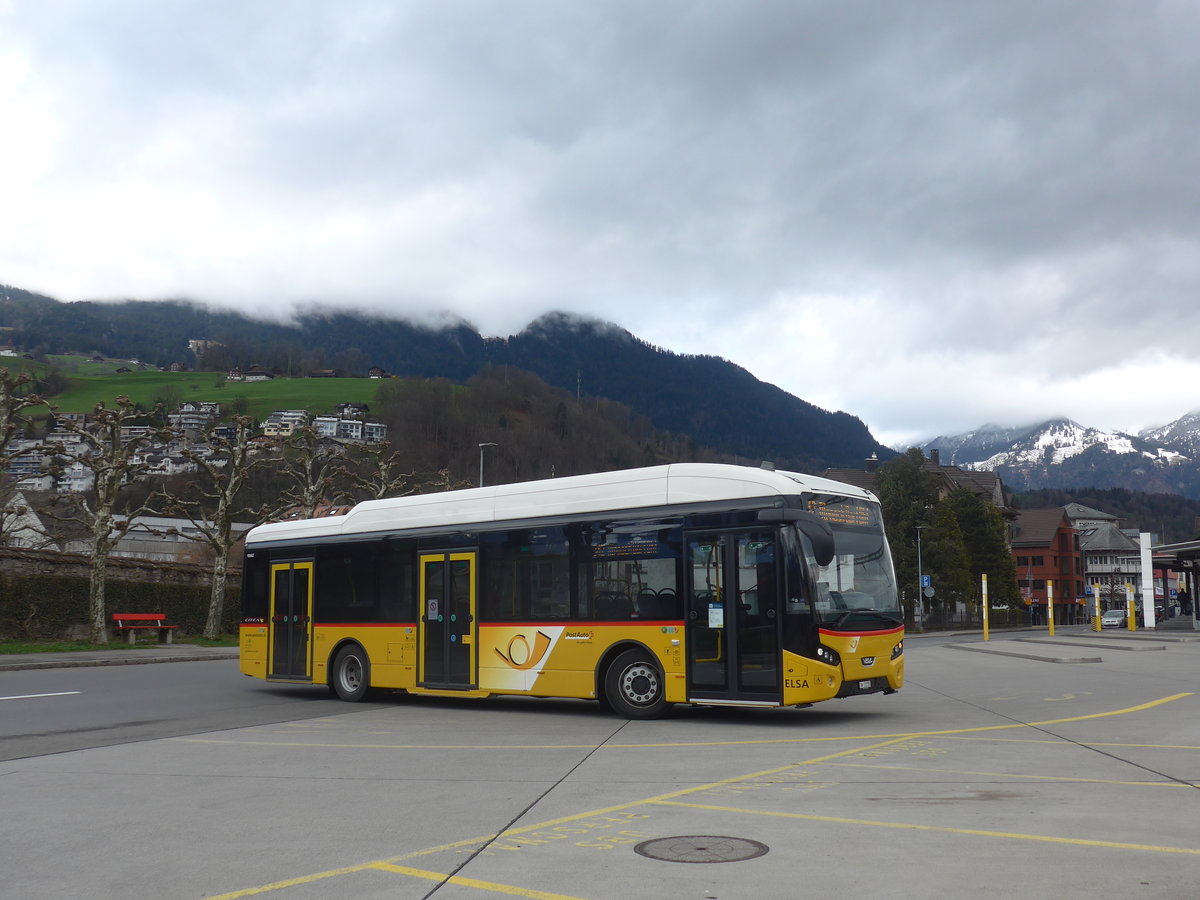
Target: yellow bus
{"type": "Point", "coordinates": [687, 583]}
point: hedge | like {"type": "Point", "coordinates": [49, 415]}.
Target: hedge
{"type": "Point", "coordinates": [49, 607]}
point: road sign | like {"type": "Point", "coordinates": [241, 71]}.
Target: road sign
{"type": "Point", "coordinates": [926, 581]}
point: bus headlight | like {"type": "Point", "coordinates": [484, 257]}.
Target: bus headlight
{"type": "Point", "coordinates": [898, 649]}
{"type": "Point", "coordinates": [828, 656]}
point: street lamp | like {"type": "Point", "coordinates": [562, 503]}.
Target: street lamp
{"type": "Point", "coordinates": [920, 604]}
{"type": "Point", "coordinates": [481, 446]}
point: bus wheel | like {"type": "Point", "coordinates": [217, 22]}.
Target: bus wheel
{"type": "Point", "coordinates": [351, 673]}
{"type": "Point", "coordinates": [633, 686]}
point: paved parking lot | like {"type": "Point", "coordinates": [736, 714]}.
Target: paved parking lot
{"type": "Point", "coordinates": [1015, 767]}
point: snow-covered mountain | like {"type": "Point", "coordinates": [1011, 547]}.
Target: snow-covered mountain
{"type": "Point", "coordinates": [1183, 434]}
{"type": "Point", "coordinates": [1061, 453]}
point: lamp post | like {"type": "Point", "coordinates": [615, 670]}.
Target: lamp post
{"type": "Point", "coordinates": [481, 446]}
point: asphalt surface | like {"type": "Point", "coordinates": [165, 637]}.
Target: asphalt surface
{"type": "Point", "coordinates": [1064, 767]}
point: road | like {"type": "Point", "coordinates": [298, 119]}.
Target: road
{"type": "Point", "coordinates": [1015, 769]}
{"type": "Point", "coordinates": [47, 711]}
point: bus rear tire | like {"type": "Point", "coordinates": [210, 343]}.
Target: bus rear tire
{"type": "Point", "coordinates": [634, 686]}
{"type": "Point", "coordinates": [351, 678]}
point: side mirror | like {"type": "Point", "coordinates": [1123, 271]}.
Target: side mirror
{"type": "Point", "coordinates": [814, 528]}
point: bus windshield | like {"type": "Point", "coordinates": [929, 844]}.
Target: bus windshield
{"type": "Point", "coordinates": [857, 590]}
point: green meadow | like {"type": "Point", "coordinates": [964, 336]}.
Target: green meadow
{"type": "Point", "coordinates": [317, 395]}
{"type": "Point", "coordinates": [89, 383]}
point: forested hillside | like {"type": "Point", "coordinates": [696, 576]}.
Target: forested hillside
{"type": "Point", "coordinates": [715, 402]}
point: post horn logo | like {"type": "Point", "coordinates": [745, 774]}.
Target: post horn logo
{"type": "Point", "coordinates": [520, 656]}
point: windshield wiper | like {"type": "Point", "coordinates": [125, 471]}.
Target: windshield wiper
{"type": "Point", "coordinates": [865, 611]}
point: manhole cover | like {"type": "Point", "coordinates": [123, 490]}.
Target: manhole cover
{"type": "Point", "coordinates": [701, 848]}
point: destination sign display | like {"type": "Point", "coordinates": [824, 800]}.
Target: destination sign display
{"type": "Point", "coordinates": [630, 550]}
{"type": "Point", "coordinates": [844, 511]}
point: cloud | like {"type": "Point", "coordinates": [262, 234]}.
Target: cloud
{"type": "Point", "coordinates": [929, 214]}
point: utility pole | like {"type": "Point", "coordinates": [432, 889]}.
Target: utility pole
{"type": "Point", "coordinates": [918, 610]}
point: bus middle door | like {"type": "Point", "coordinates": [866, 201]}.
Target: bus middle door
{"type": "Point", "coordinates": [291, 620]}
{"type": "Point", "coordinates": [448, 620]}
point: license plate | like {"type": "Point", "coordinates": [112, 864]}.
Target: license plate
{"type": "Point", "coordinates": [864, 685]}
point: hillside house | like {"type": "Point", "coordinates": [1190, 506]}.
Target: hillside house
{"type": "Point", "coordinates": [21, 527]}
{"type": "Point", "coordinates": [347, 429]}
{"type": "Point", "coordinates": [194, 415]}
{"type": "Point", "coordinates": [284, 422]}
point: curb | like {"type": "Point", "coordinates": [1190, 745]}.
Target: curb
{"type": "Point", "coordinates": [91, 661]}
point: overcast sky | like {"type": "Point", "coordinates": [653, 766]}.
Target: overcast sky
{"type": "Point", "coordinates": [932, 215]}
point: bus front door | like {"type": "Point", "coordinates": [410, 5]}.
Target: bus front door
{"type": "Point", "coordinates": [448, 628]}
{"type": "Point", "coordinates": [291, 620]}
{"type": "Point", "coordinates": [733, 618]}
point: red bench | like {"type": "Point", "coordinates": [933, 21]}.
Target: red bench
{"type": "Point", "coordinates": [131, 623]}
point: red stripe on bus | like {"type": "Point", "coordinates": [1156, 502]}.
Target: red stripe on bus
{"type": "Point", "coordinates": [861, 633]}
{"type": "Point", "coordinates": [573, 623]}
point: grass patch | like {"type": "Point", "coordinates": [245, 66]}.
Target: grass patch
{"type": "Point", "coordinates": [317, 395]}
{"type": "Point", "coordinates": [12, 647]}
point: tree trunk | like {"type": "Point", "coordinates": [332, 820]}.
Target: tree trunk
{"type": "Point", "coordinates": [98, 628]}
{"type": "Point", "coordinates": [216, 600]}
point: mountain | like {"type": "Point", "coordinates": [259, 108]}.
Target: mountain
{"type": "Point", "coordinates": [1183, 434]}
{"type": "Point", "coordinates": [715, 402]}
{"type": "Point", "coordinates": [1063, 454]}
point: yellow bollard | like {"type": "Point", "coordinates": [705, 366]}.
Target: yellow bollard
{"type": "Point", "coordinates": [1050, 605]}
{"type": "Point", "coordinates": [1130, 613]}
{"type": "Point", "coordinates": [985, 608]}
{"type": "Point", "coordinates": [1096, 626]}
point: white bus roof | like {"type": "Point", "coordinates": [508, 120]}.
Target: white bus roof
{"type": "Point", "coordinates": [657, 486]}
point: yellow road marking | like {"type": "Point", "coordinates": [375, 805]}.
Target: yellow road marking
{"type": "Point", "coordinates": [943, 829]}
{"type": "Point", "coordinates": [1117, 744]}
{"type": "Point", "coordinates": [668, 798]}
{"type": "Point", "coordinates": [678, 744]}
{"type": "Point", "coordinates": [1016, 775]}
{"type": "Point", "coordinates": [292, 882]}
{"type": "Point", "coordinates": [472, 882]}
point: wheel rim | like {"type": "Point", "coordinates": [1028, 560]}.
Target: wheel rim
{"type": "Point", "coordinates": [351, 673]}
{"type": "Point", "coordinates": [640, 684]}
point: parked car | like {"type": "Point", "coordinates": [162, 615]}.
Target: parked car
{"type": "Point", "coordinates": [1113, 618]}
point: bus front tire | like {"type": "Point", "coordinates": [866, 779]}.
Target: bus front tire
{"type": "Point", "coordinates": [634, 686]}
{"type": "Point", "coordinates": [351, 678]}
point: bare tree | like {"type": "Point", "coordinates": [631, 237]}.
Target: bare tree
{"type": "Point", "coordinates": [377, 471]}
{"type": "Point", "coordinates": [15, 402]}
{"type": "Point", "coordinates": [313, 468]}
{"type": "Point", "coordinates": [113, 457]}
{"type": "Point", "coordinates": [226, 468]}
